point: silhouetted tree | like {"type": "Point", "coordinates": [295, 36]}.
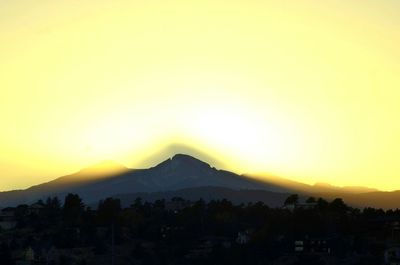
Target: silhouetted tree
{"type": "Point", "coordinates": [53, 203]}
{"type": "Point", "coordinates": [292, 199]}
{"type": "Point", "coordinates": [109, 210]}
{"type": "Point", "coordinates": [52, 209]}
{"type": "Point", "coordinates": [138, 204]}
{"type": "Point", "coordinates": [322, 204]}
{"type": "Point", "coordinates": [161, 236]}
{"type": "Point", "coordinates": [159, 204]}
{"type": "Point", "coordinates": [338, 205]}
{"type": "Point", "coordinates": [73, 209]}
{"type": "Point", "coordinates": [177, 199]}
{"type": "Point", "coordinates": [21, 215]}
{"type": "Point", "coordinates": [311, 200]}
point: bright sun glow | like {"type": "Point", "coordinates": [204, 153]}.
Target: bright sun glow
{"type": "Point", "coordinates": [307, 90]}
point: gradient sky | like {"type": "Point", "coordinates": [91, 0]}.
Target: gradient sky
{"type": "Point", "coordinates": [307, 90]}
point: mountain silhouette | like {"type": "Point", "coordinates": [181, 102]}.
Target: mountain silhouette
{"type": "Point", "coordinates": [92, 183]}
{"type": "Point", "coordinates": [184, 174]}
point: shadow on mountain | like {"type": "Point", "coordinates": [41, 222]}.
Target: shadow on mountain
{"type": "Point", "coordinates": [191, 178]}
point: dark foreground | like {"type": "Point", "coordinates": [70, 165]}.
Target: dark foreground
{"type": "Point", "coordinates": [183, 232]}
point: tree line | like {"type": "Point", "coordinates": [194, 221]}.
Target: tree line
{"type": "Point", "coordinates": [177, 227]}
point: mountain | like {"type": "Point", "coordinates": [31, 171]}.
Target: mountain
{"type": "Point", "coordinates": [63, 185]}
{"type": "Point", "coordinates": [179, 172]}
{"type": "Point", "coordinates": [184, 174]}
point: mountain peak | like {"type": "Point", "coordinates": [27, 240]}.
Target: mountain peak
{"type": "Point", "coordinates": [184, 157]}
{"type": "Point", "coordinates": [187, 159]}
{"type": "Point", "coordinates": [183, 163]}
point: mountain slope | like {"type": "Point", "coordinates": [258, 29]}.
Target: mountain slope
{"type": "Point", "coordinates": [178, 172]}
{"type": "Point", "coordinates": [183, 172]}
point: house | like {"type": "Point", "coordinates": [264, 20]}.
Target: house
{"type": "Point", "coordinates": [44, 252]}
{"type": "Point", "coordinates": [392, 256]}
{"type": "Point", "coordinates": [7, 218]}
{"type": "Point", "coordinates": [312, 245]}
{"type": "Point", "coordinates": [243, 237]}
{"type": "Point", "coordinates": [25, 257]}
{"type": "Point", "coordinates": [52, 255]}
{"type": "Point", "coordinates": [305, 206]}
{"type": "Point", "coordinates": [36, 208]}
{"type": "Point", "coordinates": [206, 245]}
{"type": "Point", "coordinates": [319, 245]}
{"type": "Point", "coordinates": [49, 254]}
{"type": "Point", "coordinates": [29, 254]}
{"type": "Point", "coordinates": [299, 246]}
{"type": "Point", "coordinates": [166, 231]}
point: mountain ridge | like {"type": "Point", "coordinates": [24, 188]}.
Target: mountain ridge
{"type": "Point", "coordinates": [178, 172]}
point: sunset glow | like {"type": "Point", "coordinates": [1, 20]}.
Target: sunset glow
{"type": "Point", "coordinates": [306, 90]}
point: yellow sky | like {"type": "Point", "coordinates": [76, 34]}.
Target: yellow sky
{"type": "Point", "coordinates": [307, 90]}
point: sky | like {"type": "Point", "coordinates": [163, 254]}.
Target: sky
{"type": "Point", "coordinates": [306, 90]}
